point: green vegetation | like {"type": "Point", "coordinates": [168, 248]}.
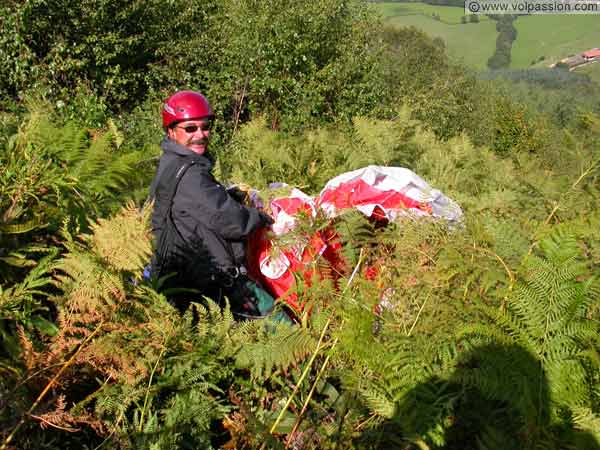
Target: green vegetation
{"type": "Point", "coordinates": [446, 14]}
{"type": "Point", "coordinates": [506, 36]}
{"type": "Point", "coordinates": [592, 70]}
{"type": "Point", "coordinates": [484, 335]}
{"type": "Point", "coordinates": [541, 40]}
{"type": "Point", "coordinates": [554, 37]}
{"type": "Point", "coordinates": [457, 37]}
{"type": "Point", "coordinates": [560, 94]}
{"type": "Point", "coordinates": [72, 52]}
{"type": "Point", "coordinates": [459, 41]}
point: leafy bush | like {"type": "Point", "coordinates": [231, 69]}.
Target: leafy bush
{"type": "Point", "coordinates": [259, 156]}
{"type": "Point", "coordinates": [305, 68]}
{"type": "Point", "coordinates": [105, 43]}
{"type": "Point", "coordinates": [126, 347]}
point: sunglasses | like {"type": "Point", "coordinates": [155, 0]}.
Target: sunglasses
{"type": "Point", "coordinates": [193, 128]}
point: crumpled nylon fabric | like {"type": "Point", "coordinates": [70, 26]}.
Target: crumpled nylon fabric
{"type": "Point", "coordinates": [379, 192]}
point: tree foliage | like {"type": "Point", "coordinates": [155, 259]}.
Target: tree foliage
{"type": "Point", "coordinates": [507, 33]}
{"type": "Point", "coordinates": [246, 55]}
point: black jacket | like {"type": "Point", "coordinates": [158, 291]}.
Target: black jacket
{"type": "Point", "coordinates": [211, 224]}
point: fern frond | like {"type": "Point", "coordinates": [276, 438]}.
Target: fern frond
{"type": "Point", "coordinates": [545, 335]}
{"type": "Point", "coordinates": [21, 299]}
{"type": "Point", "coordinates": [21, 228]}
{"type": "Point", "coordinates": [379, 404]}
{"type": "Point", "coordinates": [275, 346]}
{"type": "Point", "coordinates": [124, 241]}
{"type": "Point", "coordinates": [214, 322]}
{"type": "Point", "coordinates": [586, 420]}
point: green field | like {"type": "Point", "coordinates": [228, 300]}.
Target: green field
{"type": "Point", "coordinates": [593, 70]}
{"type": "Point", "coordinates": [553, 36]}
{"type": "Point", "coordinates": [459, 38]}
{"type": "Point", "coordinates": [447, 13]}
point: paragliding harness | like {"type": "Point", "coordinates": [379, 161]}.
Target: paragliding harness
{"type": "Point", "coordinates": [185, 268]}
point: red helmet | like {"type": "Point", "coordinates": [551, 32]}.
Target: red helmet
{"type": "Point", "coordinates": [185, 105]}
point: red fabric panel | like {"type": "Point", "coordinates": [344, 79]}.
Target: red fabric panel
{"type": "Point", "coordinates": [358, 192]}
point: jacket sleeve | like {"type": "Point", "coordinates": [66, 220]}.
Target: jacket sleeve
{"type": "Point", "coordinates": [207, 202]}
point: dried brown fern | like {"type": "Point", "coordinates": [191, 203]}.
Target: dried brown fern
{"type": "Point", "coordinates": [109, 327]}
{"type": "Point", "coordinates": [28, 353]}
{"type": "Point", "coordinates": [131, 251]}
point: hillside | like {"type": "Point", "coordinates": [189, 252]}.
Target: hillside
{"type": "Point", "coordinates": [552, 37]}
{"type": "Point", "coordinates": [458, 37]}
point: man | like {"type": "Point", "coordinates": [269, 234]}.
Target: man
{"type": "Point", "coordinates": [200, 228]}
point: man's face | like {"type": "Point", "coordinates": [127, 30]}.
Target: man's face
{"type": "Point", "coordinates": [192, 134]}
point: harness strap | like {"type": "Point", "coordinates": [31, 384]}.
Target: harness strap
{"type": "Point", "coordinates": [232, 272]}
{"type": "Point", "coordinates": [172, 189]}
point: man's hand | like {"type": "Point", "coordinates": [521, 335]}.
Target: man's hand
{"type": "Point", "coordinates": [238, 195]}
{"type": "Point", "coordinates": [267, 219]}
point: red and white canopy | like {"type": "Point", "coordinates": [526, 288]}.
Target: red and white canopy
{"type": "Point", "coordinates": [390, 192]}
{"type": "Point", "coordinates": [379, 192]}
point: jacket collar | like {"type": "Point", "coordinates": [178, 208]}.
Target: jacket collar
{"type": "Point", "coordinates": [170, 146]}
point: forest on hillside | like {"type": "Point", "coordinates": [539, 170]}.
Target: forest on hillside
{"type": "Point", "coordinates": [489, 338]}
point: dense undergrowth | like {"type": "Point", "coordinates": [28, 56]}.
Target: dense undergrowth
{"type": "Point", "coordinates": [488, 333]}
{"type": "Point", "coordinates": [482, 335]}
